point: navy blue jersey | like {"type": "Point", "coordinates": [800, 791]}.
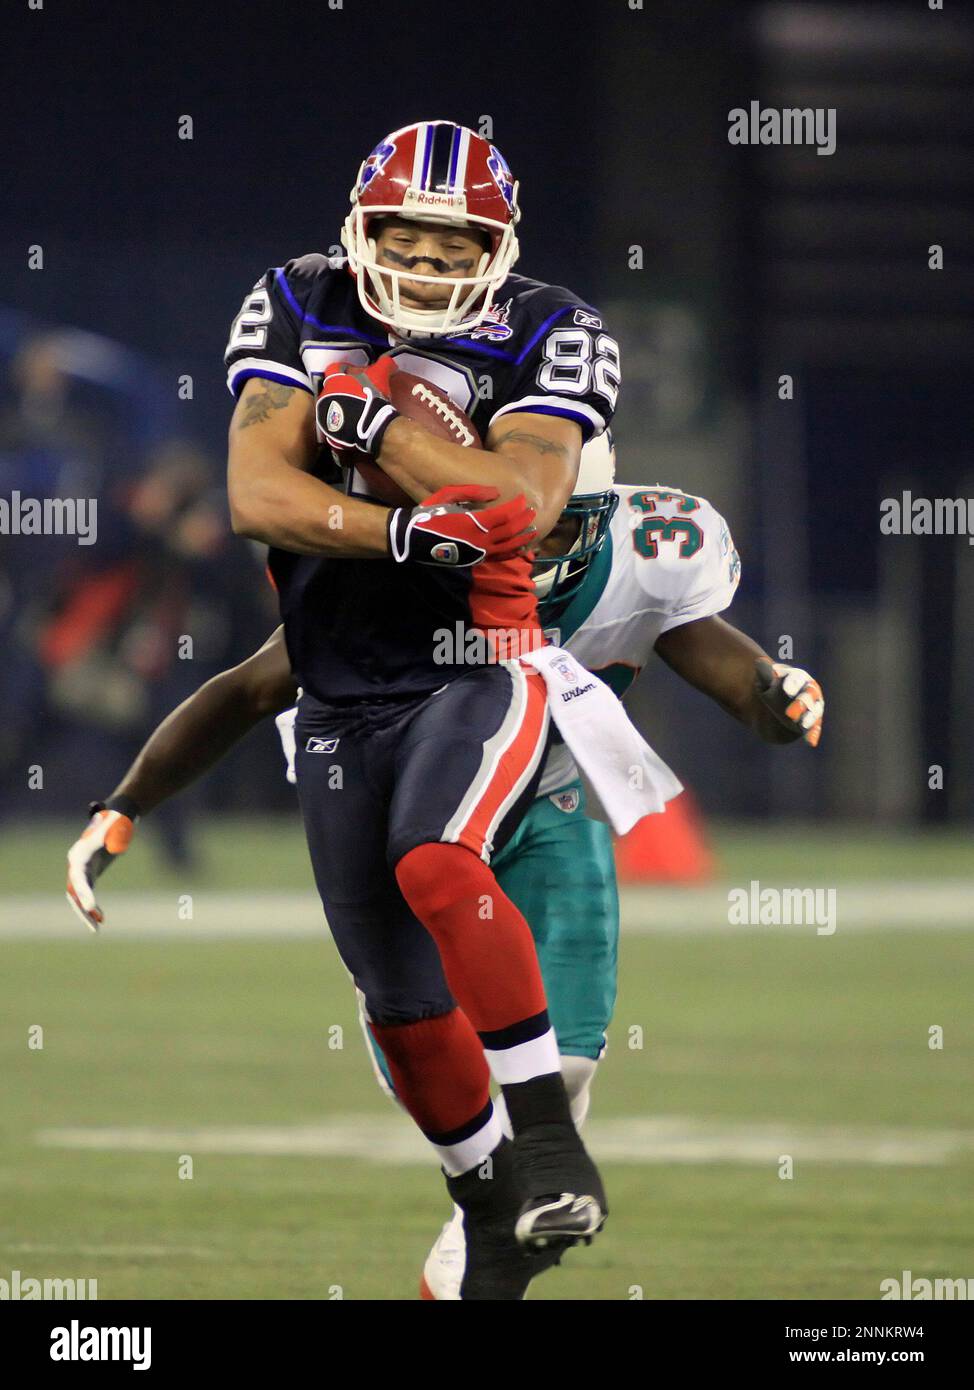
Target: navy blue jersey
{"type": "Point", "coordinates": [369, 627]}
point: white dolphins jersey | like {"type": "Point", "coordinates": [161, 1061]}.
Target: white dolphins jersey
{"type": "Point", "coordinates": [668, 559]}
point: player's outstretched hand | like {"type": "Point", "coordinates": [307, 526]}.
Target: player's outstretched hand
{"type": "Point", "coordinates": [794, 698]}
{"type": "Point", "coordinates": [450, 534]}
{"type": "Point", "coordinates": [106, 836]}
{"type": "Point", "coordinates": [353, 410]}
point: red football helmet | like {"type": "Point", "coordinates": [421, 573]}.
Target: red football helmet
{"type": "Point", "coordinates": [434, 171]}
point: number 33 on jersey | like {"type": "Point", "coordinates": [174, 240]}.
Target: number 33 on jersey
{"type": "Point", "coordinates": [669, 558]}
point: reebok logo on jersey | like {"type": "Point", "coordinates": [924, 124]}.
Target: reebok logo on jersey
{"type": "Point", "coordinates": [321, 745]}
{"type": "Point", "coordinates": [587, 320]}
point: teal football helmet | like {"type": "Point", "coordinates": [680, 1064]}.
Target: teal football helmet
{"type": "Point", "coordinates": [585, 522]}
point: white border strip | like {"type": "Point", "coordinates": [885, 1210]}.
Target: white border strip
{"type": "Point", "coordinates": [563, 402]}
{"type": "Point", "coordinates": [264, 367]}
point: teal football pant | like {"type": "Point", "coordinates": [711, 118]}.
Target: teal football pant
{"type": "Point", "coordinates": [559, 869]}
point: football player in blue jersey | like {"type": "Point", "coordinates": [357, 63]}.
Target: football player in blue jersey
{"type": "Point", "coordinates": [558, 866]}
{"type": "Point", "coordinates": [439, 760]}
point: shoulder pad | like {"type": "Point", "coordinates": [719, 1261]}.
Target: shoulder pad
{"type": "Point", "coordinates": [546, 299]}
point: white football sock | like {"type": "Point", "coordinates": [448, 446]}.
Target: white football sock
{"type": "Point", "coordinates": [577, 1073]}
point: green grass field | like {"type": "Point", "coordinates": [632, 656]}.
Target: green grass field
{"type": "Point", "coordinates": [755, 1044]}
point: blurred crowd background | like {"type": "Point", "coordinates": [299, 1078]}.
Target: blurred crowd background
{"type": "Point", "coordinates": [719, 268]}
{"type": "Point", "coordinates": [101, 640]}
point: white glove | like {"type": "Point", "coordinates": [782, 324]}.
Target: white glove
{"type": "Point", "coordinates": [794, 697]}
{"type": "Point", "coordinates": [107, 835]}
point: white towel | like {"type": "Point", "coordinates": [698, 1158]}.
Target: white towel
{"type": "Point", "coordinates": [285, 729]}
{"type": "Point", "coordinates": [623, 777]}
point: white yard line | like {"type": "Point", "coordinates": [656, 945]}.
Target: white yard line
{"type": "Point", "coordinates": [873, 906]}
{"type": "Point", "coordinates": [135, 1252]}
{"type": "Point", "coordinates": [662, 1139]}
{"type": "Point", "coordinates": [931, 906]}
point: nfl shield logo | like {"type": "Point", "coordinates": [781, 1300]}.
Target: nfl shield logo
{"type": "Point", "coordinates": [566, 801]}
{"type": "Point", "coordinates": [566, 670]}
{"type": "Point", "coordinates": [446, 552]}
{"type": "Point", "coordinates": [335, 418]}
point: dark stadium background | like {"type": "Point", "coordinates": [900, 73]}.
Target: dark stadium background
{"type": "Point", "coordinates": [755, 263]}
{"type": "Point", "coordinates": [211, 1016]}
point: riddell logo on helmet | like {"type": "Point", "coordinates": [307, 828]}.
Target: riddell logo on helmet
{"type": "Point", "coordinates": [416, 197]}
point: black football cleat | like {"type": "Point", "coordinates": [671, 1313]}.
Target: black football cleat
{"type": "Point", "coordinates": [567, 1202]}
{"type": "Point", "coordinates": [496, 1265]}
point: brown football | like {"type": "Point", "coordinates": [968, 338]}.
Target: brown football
{"type": "Point", "coordinates": [426, 405]}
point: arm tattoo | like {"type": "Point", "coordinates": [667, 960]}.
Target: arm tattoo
{"type": "Point", "coordinates": [273, 396]}
{"type": "Point", "coordinates": [536, 441]}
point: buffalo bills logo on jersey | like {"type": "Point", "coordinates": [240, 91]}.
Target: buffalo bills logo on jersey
{"type": "Point", "coordinates": [495, 326]}
{"type": "Point", "coordinates": [566, 801]}
{"type": "Point", "coordinates": [375, 163]}
{"type": "Point", "coordinates": [502, 175]}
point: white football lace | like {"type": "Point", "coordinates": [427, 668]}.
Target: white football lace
{"type": "Point", "coordinates": [443, 409]}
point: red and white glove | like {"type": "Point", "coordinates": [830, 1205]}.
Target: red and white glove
{"type": "Point", "coordinates": [353, 410]}
{"type": "Point", "coordinates": [443, 531]}
{"type": "Point", "coordinates": [794, 698]}
{"type": "Point", "coordinates": [108, 834]}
